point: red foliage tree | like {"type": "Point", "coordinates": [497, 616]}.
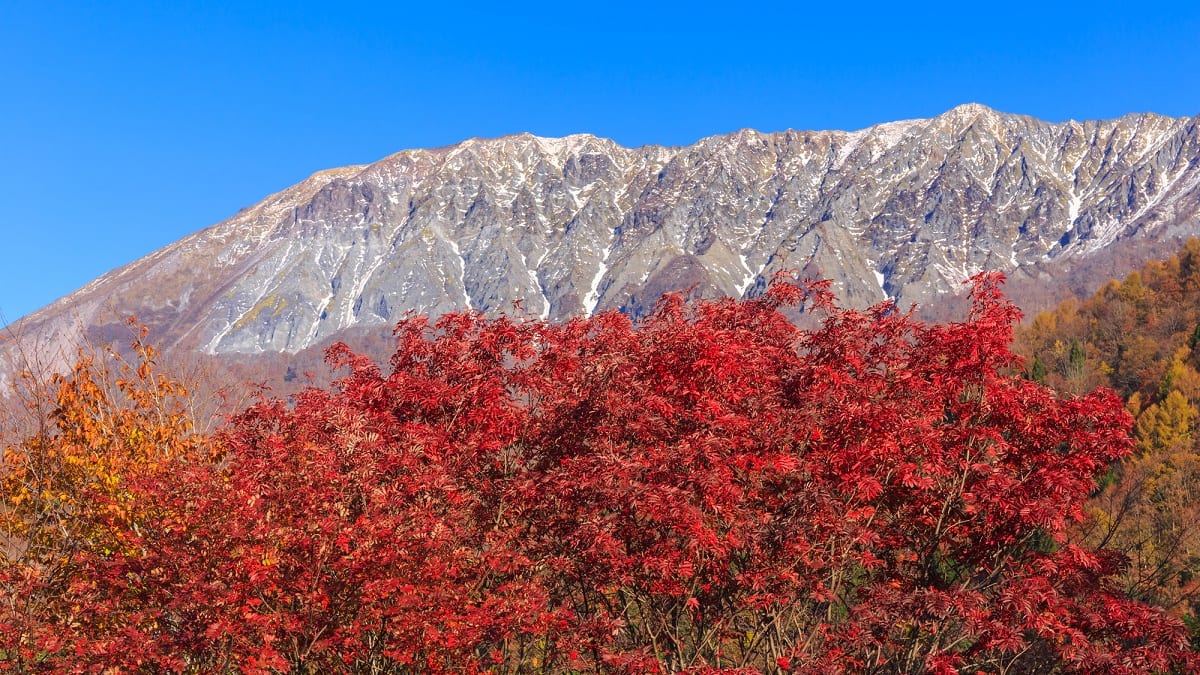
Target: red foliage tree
{"type": "Point", "coordinates": [710, 490]}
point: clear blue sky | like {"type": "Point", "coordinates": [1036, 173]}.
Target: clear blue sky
{"type": "Point", "coordinates": [125, 126]}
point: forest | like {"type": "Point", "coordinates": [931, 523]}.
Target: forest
{"type": "Point", "coordinates": [710, 489]}
{"type": "Point", "coordinates": [1140, 337]}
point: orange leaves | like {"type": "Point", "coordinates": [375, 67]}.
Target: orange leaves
{"type": "Point", "coordinates": [112, 421]}
{"type": "Point", "coordinates": [71, 489]}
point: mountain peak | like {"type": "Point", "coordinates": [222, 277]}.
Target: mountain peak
{"type": "Point", "coordinates": [970, 110]}
{"type": "Point", "coordinates": [569, 226]}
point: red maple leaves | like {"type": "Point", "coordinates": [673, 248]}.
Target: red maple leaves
{"type": "Point", "coordinates": [710, 490]}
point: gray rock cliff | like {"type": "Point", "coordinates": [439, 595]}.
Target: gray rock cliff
{"type": "Point", "coordinates": [905, 210]}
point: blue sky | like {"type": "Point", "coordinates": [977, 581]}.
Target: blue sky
{"type": "Point", "coordinates": [125, 126]}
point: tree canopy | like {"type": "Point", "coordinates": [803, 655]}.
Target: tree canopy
{"type": "Point", "coordinates": [710, 489]}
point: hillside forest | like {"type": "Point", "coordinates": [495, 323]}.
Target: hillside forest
{"type": "Point", "coordinates": [1139, 336]}
{"type": "Point", "coordinates": [712, 488]}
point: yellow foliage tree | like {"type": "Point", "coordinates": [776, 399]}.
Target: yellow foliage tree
{"type": "Point", "coordinates": [1181, 376]}
{"type": "Point", "coordinates": [68, 485]}
{"type": "Point", "coordinates": [1166, 427]}
{"type": "Point", "coordinates": [1151, 510]}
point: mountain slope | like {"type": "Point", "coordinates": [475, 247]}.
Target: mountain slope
{"type": "Point", "coordinates": [574, 225]}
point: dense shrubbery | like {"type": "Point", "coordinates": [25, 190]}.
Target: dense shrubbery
{"type": "Point", "coordinates": [710, 490]}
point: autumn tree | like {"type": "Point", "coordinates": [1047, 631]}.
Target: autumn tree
{"type": "Point", "coordinates": [1150, 511]}
{"type": "Point", "coordinates": [67, 489]}
{"type": "Point", "coordinates": [1138, 335]}
{"type": "Point", "coordinates": [709, 489]}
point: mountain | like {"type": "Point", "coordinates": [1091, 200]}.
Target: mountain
{"type": "Point", "coordinates": [570, 226]}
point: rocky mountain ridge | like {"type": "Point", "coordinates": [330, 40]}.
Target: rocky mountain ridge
{"type": "Point", "coordinates": [570, 226]}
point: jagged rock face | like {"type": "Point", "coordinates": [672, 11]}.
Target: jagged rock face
{"type": "Point", "coordinates": [570, 226]}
